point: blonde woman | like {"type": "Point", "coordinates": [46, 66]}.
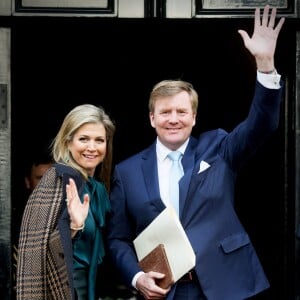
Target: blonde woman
{"type": "Point", "coordinates": [61, 242]}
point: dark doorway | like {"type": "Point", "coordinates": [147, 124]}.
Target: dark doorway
{"type": "Point", "coordinates": [58, 63]}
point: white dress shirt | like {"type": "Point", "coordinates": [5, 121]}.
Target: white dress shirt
{"type": "Point", "coordinates": [163, 166]}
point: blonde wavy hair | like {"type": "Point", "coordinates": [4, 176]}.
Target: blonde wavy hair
{"type": "Point", "coordinates": [77, 117]}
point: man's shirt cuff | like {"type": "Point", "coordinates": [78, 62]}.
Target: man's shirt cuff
{"type": "Point", "coordinates": [270, 81]}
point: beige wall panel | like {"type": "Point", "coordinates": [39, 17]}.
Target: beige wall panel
{"type": "Point", "coordinates": [5, 159]}
{"type": "Point", "coordinates": [131, 9]}
{"type": "Point", "coordinates": [179, 9]}
{"type": "Point", "coordinates": [5, 7]}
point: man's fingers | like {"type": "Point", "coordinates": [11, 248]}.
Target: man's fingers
{"type": "Point", "coordinates": [257, 18]}
{"type": "Point", "coordinates": [279, 25]}
{"type": "Point", "coordinates": [272, 18]}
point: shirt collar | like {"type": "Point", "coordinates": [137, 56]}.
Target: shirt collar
{"type": "Point", "coordinates": [162, 151]}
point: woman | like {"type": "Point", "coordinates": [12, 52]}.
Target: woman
{"type": "Point", "coordinates": [61, 243]}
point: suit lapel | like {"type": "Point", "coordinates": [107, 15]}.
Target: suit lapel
{"type": "Point", "coordinates": [188, 162]}
{"type": "Point", "coordinates": [149, 163]}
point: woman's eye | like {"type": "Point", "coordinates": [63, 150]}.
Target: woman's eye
{"type": "Point", "coordinates": [100, 141]}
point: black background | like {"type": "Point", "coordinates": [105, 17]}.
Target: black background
{"type": "Point", "coordinates": [58, 63]}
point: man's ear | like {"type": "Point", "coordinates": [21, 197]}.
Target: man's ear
{"type": "Point", "coordinates": [194, 122]}
{"type": "Point", "coordinates": [151, 117]}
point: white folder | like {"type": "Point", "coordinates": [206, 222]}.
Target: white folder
{"type": "Point", "coordinates": [166, 229]}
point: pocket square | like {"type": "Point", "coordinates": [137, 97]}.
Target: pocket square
{"type": "Point", "coordinates": [203, 166]}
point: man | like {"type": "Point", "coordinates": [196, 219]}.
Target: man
{"type": "Point", "coordinates": [227, 266]}
{"type": "Point", "coordinates": [36, 172]}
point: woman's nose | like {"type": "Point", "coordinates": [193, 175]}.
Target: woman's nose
{"type": "Point", "coordinates": [91, 146]}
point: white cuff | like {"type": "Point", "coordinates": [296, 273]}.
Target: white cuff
{"type": "Point", "coordinates": [270, 81]}
{"type": "Point", "coordinates": [135, 278]}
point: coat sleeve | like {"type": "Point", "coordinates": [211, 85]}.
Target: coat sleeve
{"type": "Point", "coordinates": [262, 121]}
{"type": "Point", "coordinates": [39, 220]}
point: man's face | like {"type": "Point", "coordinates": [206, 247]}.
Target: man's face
{"type": "Point", "coordinates": [173, 119]}
{"type": "Point", "coordinates": [37, 172]}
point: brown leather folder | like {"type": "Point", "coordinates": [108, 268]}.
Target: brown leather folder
{"type": "Point", "coordinates": [157, 260]}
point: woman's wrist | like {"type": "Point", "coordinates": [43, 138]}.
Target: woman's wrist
{"type": "Point", "coordinates": [76, 227]}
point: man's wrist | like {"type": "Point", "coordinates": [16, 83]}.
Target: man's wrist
{"type": "Point", "coordinates": [270, 81]}
{"type": "Point", "coordinates": [273, 72]}
{"type": "Point", "coordinates": [135, 278]}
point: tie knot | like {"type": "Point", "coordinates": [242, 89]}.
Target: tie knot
{"type": "Point", "coordinates": [174, 155]}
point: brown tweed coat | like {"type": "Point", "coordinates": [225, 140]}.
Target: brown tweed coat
{"type": "Point", "coordinates": [44, 269]}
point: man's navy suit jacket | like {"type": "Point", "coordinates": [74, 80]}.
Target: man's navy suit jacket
{"type": "Point", "coordinates": [227, 265]}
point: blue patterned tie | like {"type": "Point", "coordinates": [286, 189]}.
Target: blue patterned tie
{"type": "Point", "coordinates": [176, 173]}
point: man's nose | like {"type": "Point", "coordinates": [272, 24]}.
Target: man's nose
{"type": "Point", "coordinates": [173, 116]}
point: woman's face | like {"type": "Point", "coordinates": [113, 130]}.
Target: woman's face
{"type": "Point", "coordinates": [88, 146]}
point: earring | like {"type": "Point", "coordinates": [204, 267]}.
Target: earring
{"type": "Point", "coordinates": [67, 159]}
